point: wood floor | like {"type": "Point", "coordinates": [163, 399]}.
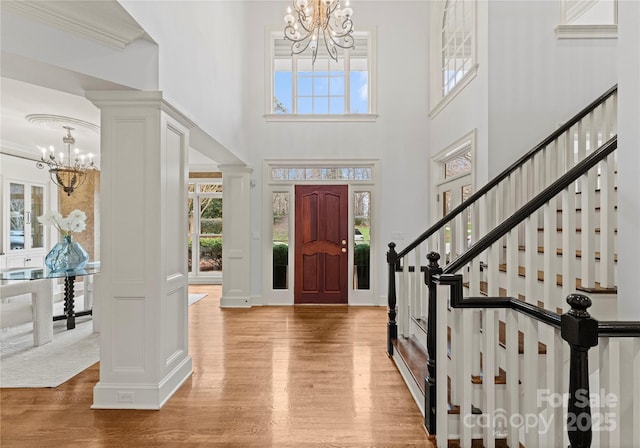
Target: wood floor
{"type": "Point", "coordinates": [264, 377]}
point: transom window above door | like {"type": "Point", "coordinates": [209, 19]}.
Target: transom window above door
{"type": "Point", "coordinates": [327, 90]}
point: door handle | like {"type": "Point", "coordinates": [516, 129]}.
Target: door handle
{"type": "Point", "coordinates": [28, 218]}
{"type": "Point", "coordinates": [344, 249]}
{"type": "Point", "coordinates": [344, 242]}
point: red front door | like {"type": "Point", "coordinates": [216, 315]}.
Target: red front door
{"type": "Point", "coordinates": [321, 253]}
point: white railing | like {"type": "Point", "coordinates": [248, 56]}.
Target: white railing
{"type": "Point", "coordinates": [499, 199]}
{"type": "Point", "coordinates": [526, 407]}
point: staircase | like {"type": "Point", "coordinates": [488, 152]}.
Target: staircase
{"type": "Point", "coordinates": [479, 332]}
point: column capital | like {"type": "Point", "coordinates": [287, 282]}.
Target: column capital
{"type": "Point", "coordinates": [134, 98]}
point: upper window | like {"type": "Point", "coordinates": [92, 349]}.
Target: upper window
{"type": "Point", "coordinates": [457, 34]}
{"type": "Point", "coordinates": [452, 48]}
{"type": "Point", "coordinates": [326, 87]}
{"type": "Point", "coordinates": [589, 12]}
{"type": "Point", "coordinates": [581, 19]}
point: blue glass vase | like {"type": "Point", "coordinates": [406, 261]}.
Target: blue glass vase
{"type": "Point", "coordinates": [67, 255]}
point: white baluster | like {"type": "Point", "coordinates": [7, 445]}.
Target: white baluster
{"type": "Point", "coordinates": [465, 364]}
{"type": "Point", "coordinates": [404, 305]}
{"type": "Point", "coordinates": [417, 289]}
{"type": "Point", "coordinates": [513, 377]}
{"type": "Point", "coordinates": [530, 255]}
{"type": "Point", "coordinates": [635, 350]}
{"type": "Point", "coordinates": [587, 236]}
{"type": "Point", "coordinates": [489, 337]}
{"type": "Point", "coordinates": [554, 412]}
{"type": "Point", "coordinates": [442, 371]}
{"type": "Point", "coordinates": [568, 242]}
{"type": "Point", "coordinates": [607, 223]}
{"type": "Point", "coordinates": [530, 376]}
{"type": "Point", "coordinates": [609, 375]}
{"type": "Point", "coordinates": [551, 294]}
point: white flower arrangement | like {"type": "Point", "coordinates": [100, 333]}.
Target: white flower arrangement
{"type": "Point", "coordinates": [74, 222]}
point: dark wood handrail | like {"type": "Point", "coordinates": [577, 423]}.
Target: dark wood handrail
{"type": "Point", "coordinates": [622, 329]}
{"type": "Point", "coordinates": [504, 174]}
{"type": "Point", "coordinates": [534, 204]}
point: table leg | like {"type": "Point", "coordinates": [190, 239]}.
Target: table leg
{"type": "Point", "coordinates": [68, 301]}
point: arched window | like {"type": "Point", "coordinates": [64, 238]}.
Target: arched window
{"type": "Point", "coordinates": [457, 42]}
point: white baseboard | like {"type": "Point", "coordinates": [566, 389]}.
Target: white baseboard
{"type": "Point", "coordinates": [144, 396]}
{"type": "Point", "coordinates": [235, 302]}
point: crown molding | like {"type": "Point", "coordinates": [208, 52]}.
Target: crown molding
{"type": "Point", "coordinates": [105, 22]}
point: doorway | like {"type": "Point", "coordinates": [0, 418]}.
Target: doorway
{"type": "Point", "coordinates": [321, 244]}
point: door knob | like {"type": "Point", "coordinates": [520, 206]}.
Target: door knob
{"type": "Point", "coordinates": [344, 241]}
{"type": "Point", "coordinates": [344, 250]}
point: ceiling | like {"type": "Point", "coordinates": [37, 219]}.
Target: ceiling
{"type": "Point", "coordinates": [21, 85]}
{"type": "Point", "coordinates": [21, 137]}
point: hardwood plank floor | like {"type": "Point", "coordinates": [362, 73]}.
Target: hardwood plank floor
{"type": "Point", "coordinates": [263, 377]}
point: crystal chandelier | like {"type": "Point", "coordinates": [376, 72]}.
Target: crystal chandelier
{"type": "Point", "coordinates": [72, 175]}
{"type": "Point", "coordinates": [309, 20]}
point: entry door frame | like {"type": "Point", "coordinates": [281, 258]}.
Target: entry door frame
{"type": "Point", "coordinates": [272, 296]}
{"type": "Point", "coordinates": [439, 181]}
{"type": "Point", "coordinates": [463, 144]}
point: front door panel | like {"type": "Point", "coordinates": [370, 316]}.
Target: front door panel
{"type": "Point", "coordinates": [321, 253]}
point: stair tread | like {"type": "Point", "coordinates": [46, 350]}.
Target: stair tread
{"type": "Point", "coordinates": [578, 229]}
{"type": "Point", "coordinates": [478, 443]}
{"type": "Point", "coordinates": [500, 378]}
{"type": "Point", "coordinates": [502, 338]}
{"type": "Point", "coordinates": [522, 248]}
{"type": "Point", "coordinates": [597, 289]}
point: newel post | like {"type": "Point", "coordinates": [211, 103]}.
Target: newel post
{"type": "Point", "coordinates": [433, 269]}
{"type": "Point", "coordinates": [392, 326]}
{"type": "Point", "coordinates": [580, 330]}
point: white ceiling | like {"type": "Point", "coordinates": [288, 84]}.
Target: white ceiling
{"type": "Point", "coordinates": [19, 99]}
{"type": "Point", "coordinates": [65, 94]}
{"type": "Point", "coordinates": [18, 136]}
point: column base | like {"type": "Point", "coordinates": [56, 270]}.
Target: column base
{"type": "Point", "coordinates": [149, 396]}
{"type": "Point", "coordinates": [235, 302]}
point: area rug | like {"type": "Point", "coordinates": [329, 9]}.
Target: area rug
{"type": "Point", "coordinates": [193, 298]}
{"type": "Point", "coordinates": [51, 364]}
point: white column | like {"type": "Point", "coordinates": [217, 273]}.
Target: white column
{"type": "Point", "coordinates": [236, 240]}
{"type": "Point", "coordinates": [142, 287]}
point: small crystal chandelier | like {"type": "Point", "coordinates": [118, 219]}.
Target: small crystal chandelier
{"type": "Point", "coordinates": [72, 175]}
{"type": "Point", "coordinates": [311, 19]}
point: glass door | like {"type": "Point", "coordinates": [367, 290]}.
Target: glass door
{"type": "Point", "coordinates": [205, 230]}
{"type": "Point", "coordinates": [450, 195]}
{"type": "Point", "coordinates": [17, 216]}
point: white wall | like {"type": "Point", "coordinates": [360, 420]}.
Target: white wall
{"type": "Point", "coordinates": [629, 161]}
{"type": "Point", "coordinates": [468, 110]}
{"type": "Point", "coordinates": [201, 61]}
{"type": "Point", "coordinates": [136, 66]}
{"type": "Point", "coordinates": [398, 138]}
{"type": "Point", "coordinates": [536, 80]}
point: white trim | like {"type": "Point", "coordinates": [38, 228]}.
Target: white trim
{"type": "Point", "coordinates": [285, 296]}
{"type": "Point", "coordinates": [459, 87]}
{"type": "Point", "coordinates": [322, 117]}
{"type": "Point", "coordinates": [117, 29]}
{"type": "Point", "coordinates": [587, 31]}
{"type": "Point", "coordinates": [437, 177]}
{"type": "Point", "coordinates": [409, 380]}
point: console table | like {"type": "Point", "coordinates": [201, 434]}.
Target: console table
{"type": "Point", "coordinates": [42, 274]}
